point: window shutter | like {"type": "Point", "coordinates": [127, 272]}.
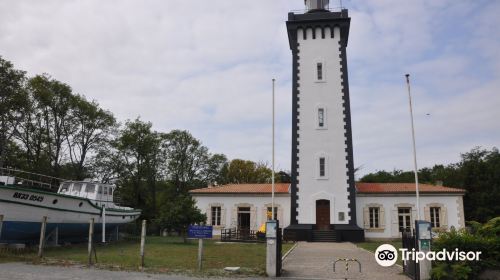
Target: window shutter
{"type": "Point", "coordinates": [413, 217]}
{"type": "Point", "coordinates": [264, 214]}
{"type": "Point", "coordinates": [427, 214]}
{"type": "Point", "coordinates": [253, 216]}
{"type": "Point", "coordinates": [366, 217]}
{"type": "Point", "coordinates": [209, 215]}
{"type": "Point", "coordinates": [382, 217]}
{"type": "Point", "coordinates": [280, 216]}
{"type": "Point", "coordinates": [234, 218]}
{"type": "Point", "coordinates": [444, 218]}
{"type": "Point", "coordinates": [394, 222]}
{"type": "Point", "coordinates": [223, 217]}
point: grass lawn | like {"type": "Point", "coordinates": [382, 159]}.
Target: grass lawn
{"type": "Point", "coordinates": [373, 245]}
{"type": "Point", "coordinates": [164, 254]}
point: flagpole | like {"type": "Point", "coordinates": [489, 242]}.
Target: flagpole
{"type": "Point", "coordinates": [272, 178]}
{"type": "Point", "coordinates": [414, 148]}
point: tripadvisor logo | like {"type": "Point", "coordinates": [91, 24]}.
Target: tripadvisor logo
{"type": "Point", "coordinates": [387, 255]}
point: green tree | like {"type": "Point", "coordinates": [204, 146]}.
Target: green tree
{"type": "Point", "coordinates": [13, 100]}
{"type": "Point", "coordinates": [90, 128]}
{"type": "Point", "coordinates": [178, 214]}
{"type": "Point", "coordinates": [245, 171]}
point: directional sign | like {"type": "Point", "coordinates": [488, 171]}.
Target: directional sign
{"type": "Point", "coordinates": [200, 232]}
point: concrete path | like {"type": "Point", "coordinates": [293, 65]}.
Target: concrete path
{"type": "Point", "coordinates": [314, 261]}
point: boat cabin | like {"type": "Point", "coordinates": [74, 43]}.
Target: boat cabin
{"type": "Point", "coordinates": [91, 190]}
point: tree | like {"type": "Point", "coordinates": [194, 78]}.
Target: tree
{"type": "Point", "coordinates": [478, 173]}
{"type": "Point", "coordinates": [54, 100]}
{"type": "Point", "coordinates": [188, 163]}
{"type": "Point", "coordinates": [246, 171]}
{"type": "Point", "coordinates": [13, 99]}
{"type": "Point", "coordinates": [90, 127]}
{"type": "Point", "coordinates": [178, 214]}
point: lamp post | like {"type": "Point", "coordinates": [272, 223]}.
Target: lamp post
{"type": "Point", "coordinates": [414, 148]}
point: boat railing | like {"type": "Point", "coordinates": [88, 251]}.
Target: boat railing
{"type": "Point", "coordinates": [31, 179]}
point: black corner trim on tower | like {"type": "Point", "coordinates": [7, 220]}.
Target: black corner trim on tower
{"type": "Point", "coordinates": [348, 134]}
{"type": "Point", "coordinates": [295, 130]}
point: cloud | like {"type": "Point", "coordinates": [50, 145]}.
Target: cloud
{"type": "Point", "coordinates": [206, 66]}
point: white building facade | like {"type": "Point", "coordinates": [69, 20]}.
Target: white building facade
{"type": "Point", "coordinates": [384, 210]}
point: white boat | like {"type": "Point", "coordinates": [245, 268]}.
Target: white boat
{"type": "Point", "coordinates": [68, 210]}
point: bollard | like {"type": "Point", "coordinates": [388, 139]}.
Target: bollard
{"type": "Point", "coordinates": [42, 237]}
{"type": "Point", "coordinates": [91, 234]}
{"type": "Point", "coordinates": [143, 241]}
{"type": "Point", "coordinates": [200, 254]}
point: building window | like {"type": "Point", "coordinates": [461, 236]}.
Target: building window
{"type": "Point", "coordinates": [322, 163]}
{"type": "Point", "coordinates": [341, 216]}
{"type": "Point", "coordinates": [319, 70]}
{"type": "Point", "coordinates": [216, 211]}
{"type": "Point", "coordinates": [435, 221]}
{"type": "Point", "coordinates": [321, 117]}
{"type": "Point", "coordinates": [404, 219]}
{"type": "Point", "coordinates": [374, 213]}
{"type": "Point", "coordinates": [270, 213]}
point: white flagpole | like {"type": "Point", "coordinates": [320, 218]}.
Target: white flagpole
{"type": "Point", "coordinates": [414, 148]}
{"type": "Point", "coordinates": [272, 178]}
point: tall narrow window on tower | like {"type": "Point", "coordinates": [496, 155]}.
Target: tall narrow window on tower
{"type": "Point", "coordinates": [322, 163]}
{"type": "Point", "coordinates": [321, 117]}
{"type": "Point", "coordinates": [319, 70]}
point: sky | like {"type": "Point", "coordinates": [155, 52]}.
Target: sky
{"type": "Point", "coordinates": [206, 66]}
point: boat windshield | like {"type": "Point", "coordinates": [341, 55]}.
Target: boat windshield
{"type": "Point", "coordinates": [64, 187]}
{"type": "Point", "coordinates": [90, 188]}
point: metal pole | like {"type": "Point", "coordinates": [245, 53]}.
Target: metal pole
{"type": "Point", "coordinates": [42, 236]}
{"type": "Point", "coordinates": [103, 224]}
{"type": "Point", "coordinates": [143, 241]}
{"type": "Point", "coordinates": [91, 234]}
{"type": "Point", "coordinates": [272, 178]}
{"type": "Point", "coordinates": [200, 254]}
{"type": "Point", "coordinates": [414, 147]}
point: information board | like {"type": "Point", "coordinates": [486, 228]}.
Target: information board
{"type": "Point", "coordinates": [204, 232]}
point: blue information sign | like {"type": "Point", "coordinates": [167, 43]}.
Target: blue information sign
{"type": "Point", "coordinates": [200, 232]}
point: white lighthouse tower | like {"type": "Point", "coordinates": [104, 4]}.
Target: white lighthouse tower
{"type": "Point", "coordinates": [323, 190]}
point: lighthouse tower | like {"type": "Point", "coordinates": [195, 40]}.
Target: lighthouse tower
{"type": "Point", "coordinates": [322, 190]}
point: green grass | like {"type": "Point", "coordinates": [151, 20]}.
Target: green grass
{"type": "Point", "coordinates": [373, 245]}
{"type": "Point", "coordinates": [163, 254]}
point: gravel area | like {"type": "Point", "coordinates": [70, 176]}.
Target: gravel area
{"type": "Point", "coordinates": [21, 271]}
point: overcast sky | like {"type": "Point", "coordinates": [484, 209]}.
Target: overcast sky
{"type": "Point", "coordinates": [206, 66]}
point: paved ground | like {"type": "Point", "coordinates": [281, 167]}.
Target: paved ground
{"type": "Point", "coordinates": [314, 261]}
{"type": "Point", "coordinates": [21, 271]}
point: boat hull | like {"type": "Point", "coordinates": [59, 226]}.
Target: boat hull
{"type": "Point", "coordinates": [24, 209]}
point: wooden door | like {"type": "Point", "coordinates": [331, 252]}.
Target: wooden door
{"type": "Point", "coordinates": [323, 214]}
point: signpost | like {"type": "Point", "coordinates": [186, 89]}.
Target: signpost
{"type": "Point", "coordinates": [200, 232]}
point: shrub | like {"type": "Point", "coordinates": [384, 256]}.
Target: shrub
{"type": "Point", "coordinates": [484, 238]}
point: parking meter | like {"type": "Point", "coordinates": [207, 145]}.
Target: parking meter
{"type": "Point", "coordinates": [424, 233]}
{"type": "Point", "coordinates": [271, 250]}
{"type": "Point", "coordinates": [271, 228]}
{"type": "Point", "coordinates": [424, 236]}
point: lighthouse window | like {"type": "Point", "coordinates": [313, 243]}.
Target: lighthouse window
{"type": "Point", "coordinates": [319, 69]}
{"type": "Point", "coordinates": [322, 162]}
{"type": "Point", "coordinates": [321, 117]}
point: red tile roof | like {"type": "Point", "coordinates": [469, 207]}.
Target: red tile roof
{"type": "Point", "coordinates": [244, 188]}
{"type": "Point", "coordinates": [366, 188]}
{"type": "Point", "coordinates": [403, 188]}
